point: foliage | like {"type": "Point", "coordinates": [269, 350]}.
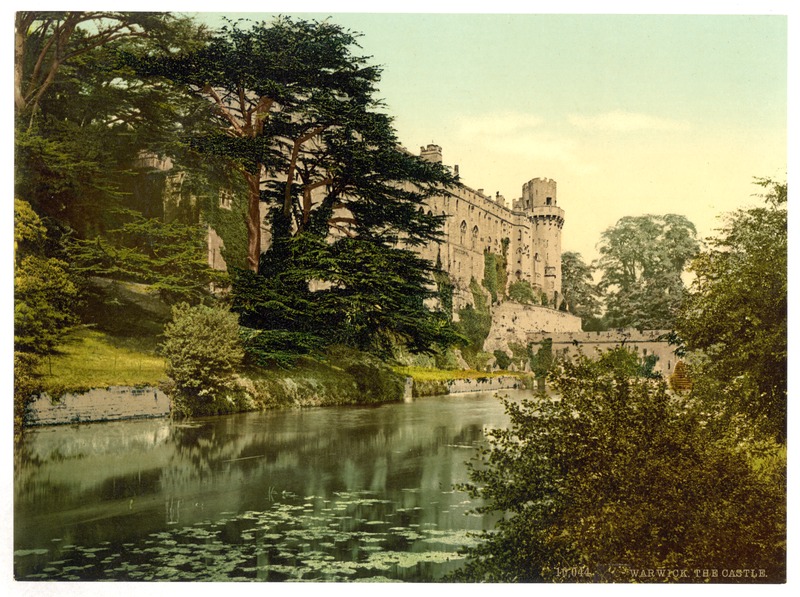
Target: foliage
{"type": "Point", "coordinates": [349, 291]}
{"type": "Point", "coordinates": [580, 293]}
{"type": "Point", "coordinates": [170, 257]}
{"type": "Point", "coordinates": [49, 43]}
{"type": "Point", "coordinates": [444, 289]}
{"type": "Point", "coordinates": [490, 274]}
{"type": "Point", "coordinates": [296, 115]}
{"type": "Point", "coordinates": [44, 300]}
{"type": "Point", "coordinates": [82, 118]}
{"type": "Point", "coordinates": [203, 351]}
{"type": "Point", "coordinates": [495, 274]}
{"type": "Point", "coordinates": [735, 314]}
{"type": "Point", "coordinates": [521, 291]}
{"type": "Point", "coordinates": [26, 385]}
{"type": "Point", "coordinates": [502, 360]}
{"type": "Point", "coordinates": [642, 259]}
{"type": "Point", "coordinates": [474, 323]}
{"type": "Point", "coordinates": [614, 475]}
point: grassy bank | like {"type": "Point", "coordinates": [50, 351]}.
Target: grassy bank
{"type": "Point", "coordinates": [425, 374]}
{"type": "Point", "coordinates": [93, 359]}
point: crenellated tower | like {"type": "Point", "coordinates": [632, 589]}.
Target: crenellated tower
{"type": "Point", "coordinates": [539, 202]}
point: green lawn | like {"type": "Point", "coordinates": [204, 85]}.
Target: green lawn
{"type": "Point", "coordinates": [426, 374]}
{"type": "Point", "coordinates": [92, 359]}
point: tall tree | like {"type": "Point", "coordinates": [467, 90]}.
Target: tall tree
{"type": "Point", "coordinates": [642, 259]}
{"type": "Point", "coordinates": [82, 118]}
{"type": "Point", "coordinates": [580, 293]}
{"type": "Point", "coordinates": [298, 117]}
{"type": "Point", "coordinates": [296, 114]}
{"type": "Point", "coordinates": [735, 315]}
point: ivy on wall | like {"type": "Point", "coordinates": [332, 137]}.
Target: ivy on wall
{"type": "Point", "coordinates": [474, 323]}
{"type": "Point", "coordinates": [495, 274]}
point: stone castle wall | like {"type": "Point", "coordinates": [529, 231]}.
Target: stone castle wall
{"type": "Point", "coordinates": [512, 322]}
{"type": "Point", "coordinates": [644, 343]}
{"type": "Point", "coordinates": [477, 222]}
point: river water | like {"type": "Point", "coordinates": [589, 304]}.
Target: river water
{"type": "Point", "coordinates": [326, 494]}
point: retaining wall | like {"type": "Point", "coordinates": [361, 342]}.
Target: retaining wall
{"type": "Point", "coordinates": [100, 404]}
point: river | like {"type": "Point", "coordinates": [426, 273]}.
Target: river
{"type": "Point", "coordinates": [325, 494]}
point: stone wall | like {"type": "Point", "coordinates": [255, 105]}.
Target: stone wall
{"type": "Point", "coordinates": [477, 223]}
{"type": "Point", "coordinates": [459, 386]}
{"type": "Point", "coordinates": [644, 343]}
{"type": "Point", "coordinates": [513, 322]}
{"type": "Point", "coordinates": [484, 384]}
{"type": "Point", "coordinates": [100, 404]}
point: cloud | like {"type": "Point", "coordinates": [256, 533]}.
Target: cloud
{"type": "Point", "coordinates": [626, 122]}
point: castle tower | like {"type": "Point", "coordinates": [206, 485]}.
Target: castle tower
{"type": "Point", "coordinates": [540, 201]}
{"type": "Point", "coordinates": [431, 153]}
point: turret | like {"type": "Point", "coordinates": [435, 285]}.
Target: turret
{"type": "Point", "coordinates": [540, 201]}
{"type": "Point", "coordinates": [431, 153]}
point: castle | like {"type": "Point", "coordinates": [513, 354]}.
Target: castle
{"type": "Point", "coordinates": [528, 234]}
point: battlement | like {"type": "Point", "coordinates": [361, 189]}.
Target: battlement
{"type": "Point", "coordinates": [526, 234]}
{"type": "Point", "coordinates": [431, 153]}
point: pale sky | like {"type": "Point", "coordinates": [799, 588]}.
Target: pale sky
{"type": "Point", "coordinates": [629, 114]}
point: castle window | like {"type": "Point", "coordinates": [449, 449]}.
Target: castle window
{"type": "Point", "coordinates": [225, 199]}
{"type": "Point", "coordinates": [549, 201]}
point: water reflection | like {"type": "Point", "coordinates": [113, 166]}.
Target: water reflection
{"type": "Point", "coordinates": [341, 484]}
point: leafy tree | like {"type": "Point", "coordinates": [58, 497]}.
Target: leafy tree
{"type": "Point", "coordinates": [642, 259]}
{"type": "Point", "coordinates": [203, 351]}
{"type": "Point", "coordinates": [170, 257]}
{"type": "Point", "coordinates": [735, 315]}
{"type": "Point", "coordinates": [615, 475]}
{"type": "Point", "coordinates": [502, 359]}
{"type": "Point", "coordinates": [297, 116]}
{"type": "Point", "coordinates": [542, 362]}
{"type": "Point", "coordinates": [44, 298]}
{"type": "Point", "coordinates": [521, 291]}
{"type": "Point", "coordinates": [580, 293]}
{"type": "Point", "coordinates": [47, 42]}
{"type": "Point", "coordinates": [81, 117]}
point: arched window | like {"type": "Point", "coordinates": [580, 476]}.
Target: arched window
{"type": "Point", "coordinates": [474, 236]}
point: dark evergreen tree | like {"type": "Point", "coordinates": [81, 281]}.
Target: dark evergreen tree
{"type": "Point", "coordinates": [298, 117]}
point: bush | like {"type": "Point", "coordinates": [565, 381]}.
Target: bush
{"type": "Point", "coordinates": [203, 351]}
{"type": "Point", "coordinates": [522, 292]}
{"type": "Point", "coordinates": [502, 359]}
{"type": "Point", "coordinates": [614, 476]}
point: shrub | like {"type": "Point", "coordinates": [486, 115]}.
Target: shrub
{"type": "Point", "coordinates": [522, 292]}
{"type": "Point", "coordinates": [203, 351]}
{"type": "Point", "coordinates": [615, 475]}
{"type": "Point", "coordinates": [501, 359]}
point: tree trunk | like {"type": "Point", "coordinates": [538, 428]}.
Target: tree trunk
{"type": "Point", "coordinates": [253, 220]}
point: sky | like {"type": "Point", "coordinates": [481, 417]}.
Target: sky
{"type": "Point", "coordinates": [630, 114]}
